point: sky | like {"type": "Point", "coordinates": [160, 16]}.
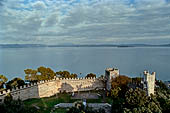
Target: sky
{"type": "Point", "coordinates": [84, 21]}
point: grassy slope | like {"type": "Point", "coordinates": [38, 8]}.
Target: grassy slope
{"type": "Point", "coordinates": [46, 104]}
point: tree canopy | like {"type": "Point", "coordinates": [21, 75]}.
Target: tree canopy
{"type": "Point", "coordinates": [42, 73]}
{"type": "Point", "coordinates": [66, 74]}
{"type": "Point", "coordinates": [31, 75]}
{"type": "Point", "coordinates": [120, 85]}
{"type": "Point", "coordinates": [15, 106]}
{"type": "Point", "coordinates": [91, 75]}
{"type": "Point", "coordinates": [137, 101]}
{"type": "Point", "coordinates": [120, 81]}
{"type": "Point", "coordinates": [16, 82]}
{"type": "Point", "coordinates": [3, 79]}
{"type": "Point", "coordinates": [46, 73]}
{"type": "Point", "coordinates": [128, 100]}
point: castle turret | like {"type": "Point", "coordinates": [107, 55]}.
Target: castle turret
{"type": "Point", "coordinates": [109, 74]}
{"type": "Point", "coordinates": [149, 79]}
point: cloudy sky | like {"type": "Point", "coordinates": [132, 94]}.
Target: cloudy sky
{"type": "Point", "coordinates": [84, 21]}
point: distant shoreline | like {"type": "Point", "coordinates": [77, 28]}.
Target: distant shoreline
{"type": "Point", "coordinates": [104, 45]}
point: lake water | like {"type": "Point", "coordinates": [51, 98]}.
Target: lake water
{"type": "Point", "coordinates": [130, 61]}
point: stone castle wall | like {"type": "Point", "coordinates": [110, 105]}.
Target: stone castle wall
{"type": "Point", "coordinates": [51, 87]}
{"type": "Point", "coordinates": [109, 74]}
{"type": "Point", "coordinates": [150, 82]}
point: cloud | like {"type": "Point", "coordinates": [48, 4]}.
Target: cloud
{"type": "Point", "coordinates": [1, 2]}
{"type": "Point", "coordinates": [39, 5]}
{"type": "Point", "coordinates": [85, 21]}
{"type": "Point", "coordinates": [51, 20]}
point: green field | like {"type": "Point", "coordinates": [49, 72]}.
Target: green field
{"type": "Point", "coordinates": [60, 110]}
{"type": "Point", "coordinates": [47, 104]}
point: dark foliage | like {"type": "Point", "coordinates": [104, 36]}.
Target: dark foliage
{"type": "Point", "coordinates": [3, 79]}
{"type": "Point", "coordinates": [66, 74]}
{"type": "Point", "coordinates": [42, 73]}
{"type": "Point", "coordinates": [15, 106]}
{"type": "Point", "coordinates": [128, 100]}
{"type": "Point", "coordinates": [161, 85]}
{"type": "Point", "coordinates": [91, 75]}
{"type": "Point", "coordinates": [16, 82]}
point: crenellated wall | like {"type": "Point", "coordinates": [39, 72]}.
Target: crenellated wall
{"type": "Point", "coordinates": [51, 87]}
{"type": "Point", "coordinates": [80, 84]}
{"type": "Point", "coordinates": [150, 82]}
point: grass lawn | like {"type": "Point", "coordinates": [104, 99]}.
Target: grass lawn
{"type": "Point", "coordinates": [47, 104]}
{"type": "Point", "coordinates": [60, 110]}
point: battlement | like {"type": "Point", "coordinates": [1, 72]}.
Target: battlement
{"type": "Point", "coordinates": [81, 78]}
{"type": "Point", "coordinates": [109, 74]}
{"type": "Point", "coordinates": [43, 82]}
{"type": "Point", "coordinates": [149, 79]}
{"type": "Point", "coordinates": [147, 73]}
{"type": "Point", "coordinates": [47, 88]}
{"type": "Point", "coordinates": [111, 69]}
{"type": "Point", "coordinates": [148, 76]}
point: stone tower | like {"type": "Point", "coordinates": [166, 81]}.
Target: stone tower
{"type": "Point", "coordinates": [149, 80]}
{"type": "Point", "coordinates": [109, 74]}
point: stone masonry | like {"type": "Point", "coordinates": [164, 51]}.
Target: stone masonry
{"type": "Point", "coordinates": [51, 87]}
{"type": "Point", "coordinates": [149, 80]}
{"type": "Point", "coordinates": [109, 74]}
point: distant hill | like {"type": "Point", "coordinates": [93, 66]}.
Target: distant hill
{"type": "Point", "coordinates": [21, 45]}
{"type": "Point", "coordinates": [92, 45]}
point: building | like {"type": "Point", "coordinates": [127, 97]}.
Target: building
{"type": "Point", "coordinates": [109, 74]}
{"type": "Point", "coordinates": [49, 88]}
{"type": "Point", "coordinates": [149, 81]}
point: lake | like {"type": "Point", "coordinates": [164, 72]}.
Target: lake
{"type": "Point", "coordinates": [131, 61]}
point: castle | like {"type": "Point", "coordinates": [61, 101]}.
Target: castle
{"type": "Point", "coordinates": [109, 74]}
{"type": "Point", "coordinates": [149, 80]}
{"type": "Point", "coordinates": [49, 88]}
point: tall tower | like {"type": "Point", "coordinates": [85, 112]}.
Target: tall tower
{"type": "Point", "coordinates": [109, 74]}
{"type": "Point", "coordinates": [149, 79]}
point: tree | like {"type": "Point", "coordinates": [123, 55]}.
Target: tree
{"type": "Point", "coordinates": [42, 73]}
{"type": "Point", "coordinates": [31, 75]}
{"type": "Point", "coordinates": [3, 79]}
{"type": "Point", "coordinates": [66, 74]}
{"type": "Point", "coordinates": [46, 73]}
{"type": "Point", "coordinates": [136, 101]}
{"type": "Point", "coordinates": [122, 82]}
{"type": "Point", "coordinates": [137, 81]}
{"type": "Point", "coordinates": [161, 85]}
{"type": "Point", "coordinates": [136, 98]}
{"type": "Point", "coordinates": [73, 75]}
{"type": "Point", "coordinates": [117, 105]}
{"type": "Point", "coordinates": [91, 75]}
{"type": "Point", "coordinates": [163, 97]}
{"type": "Point", "coordinates": [115, 92]}
{"type": "Point", "coordinates": [16, 82]}
{"type": "Point", "coordinates": [101, 76]}
{"type": "Point", "coordinates": [15, 106]}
